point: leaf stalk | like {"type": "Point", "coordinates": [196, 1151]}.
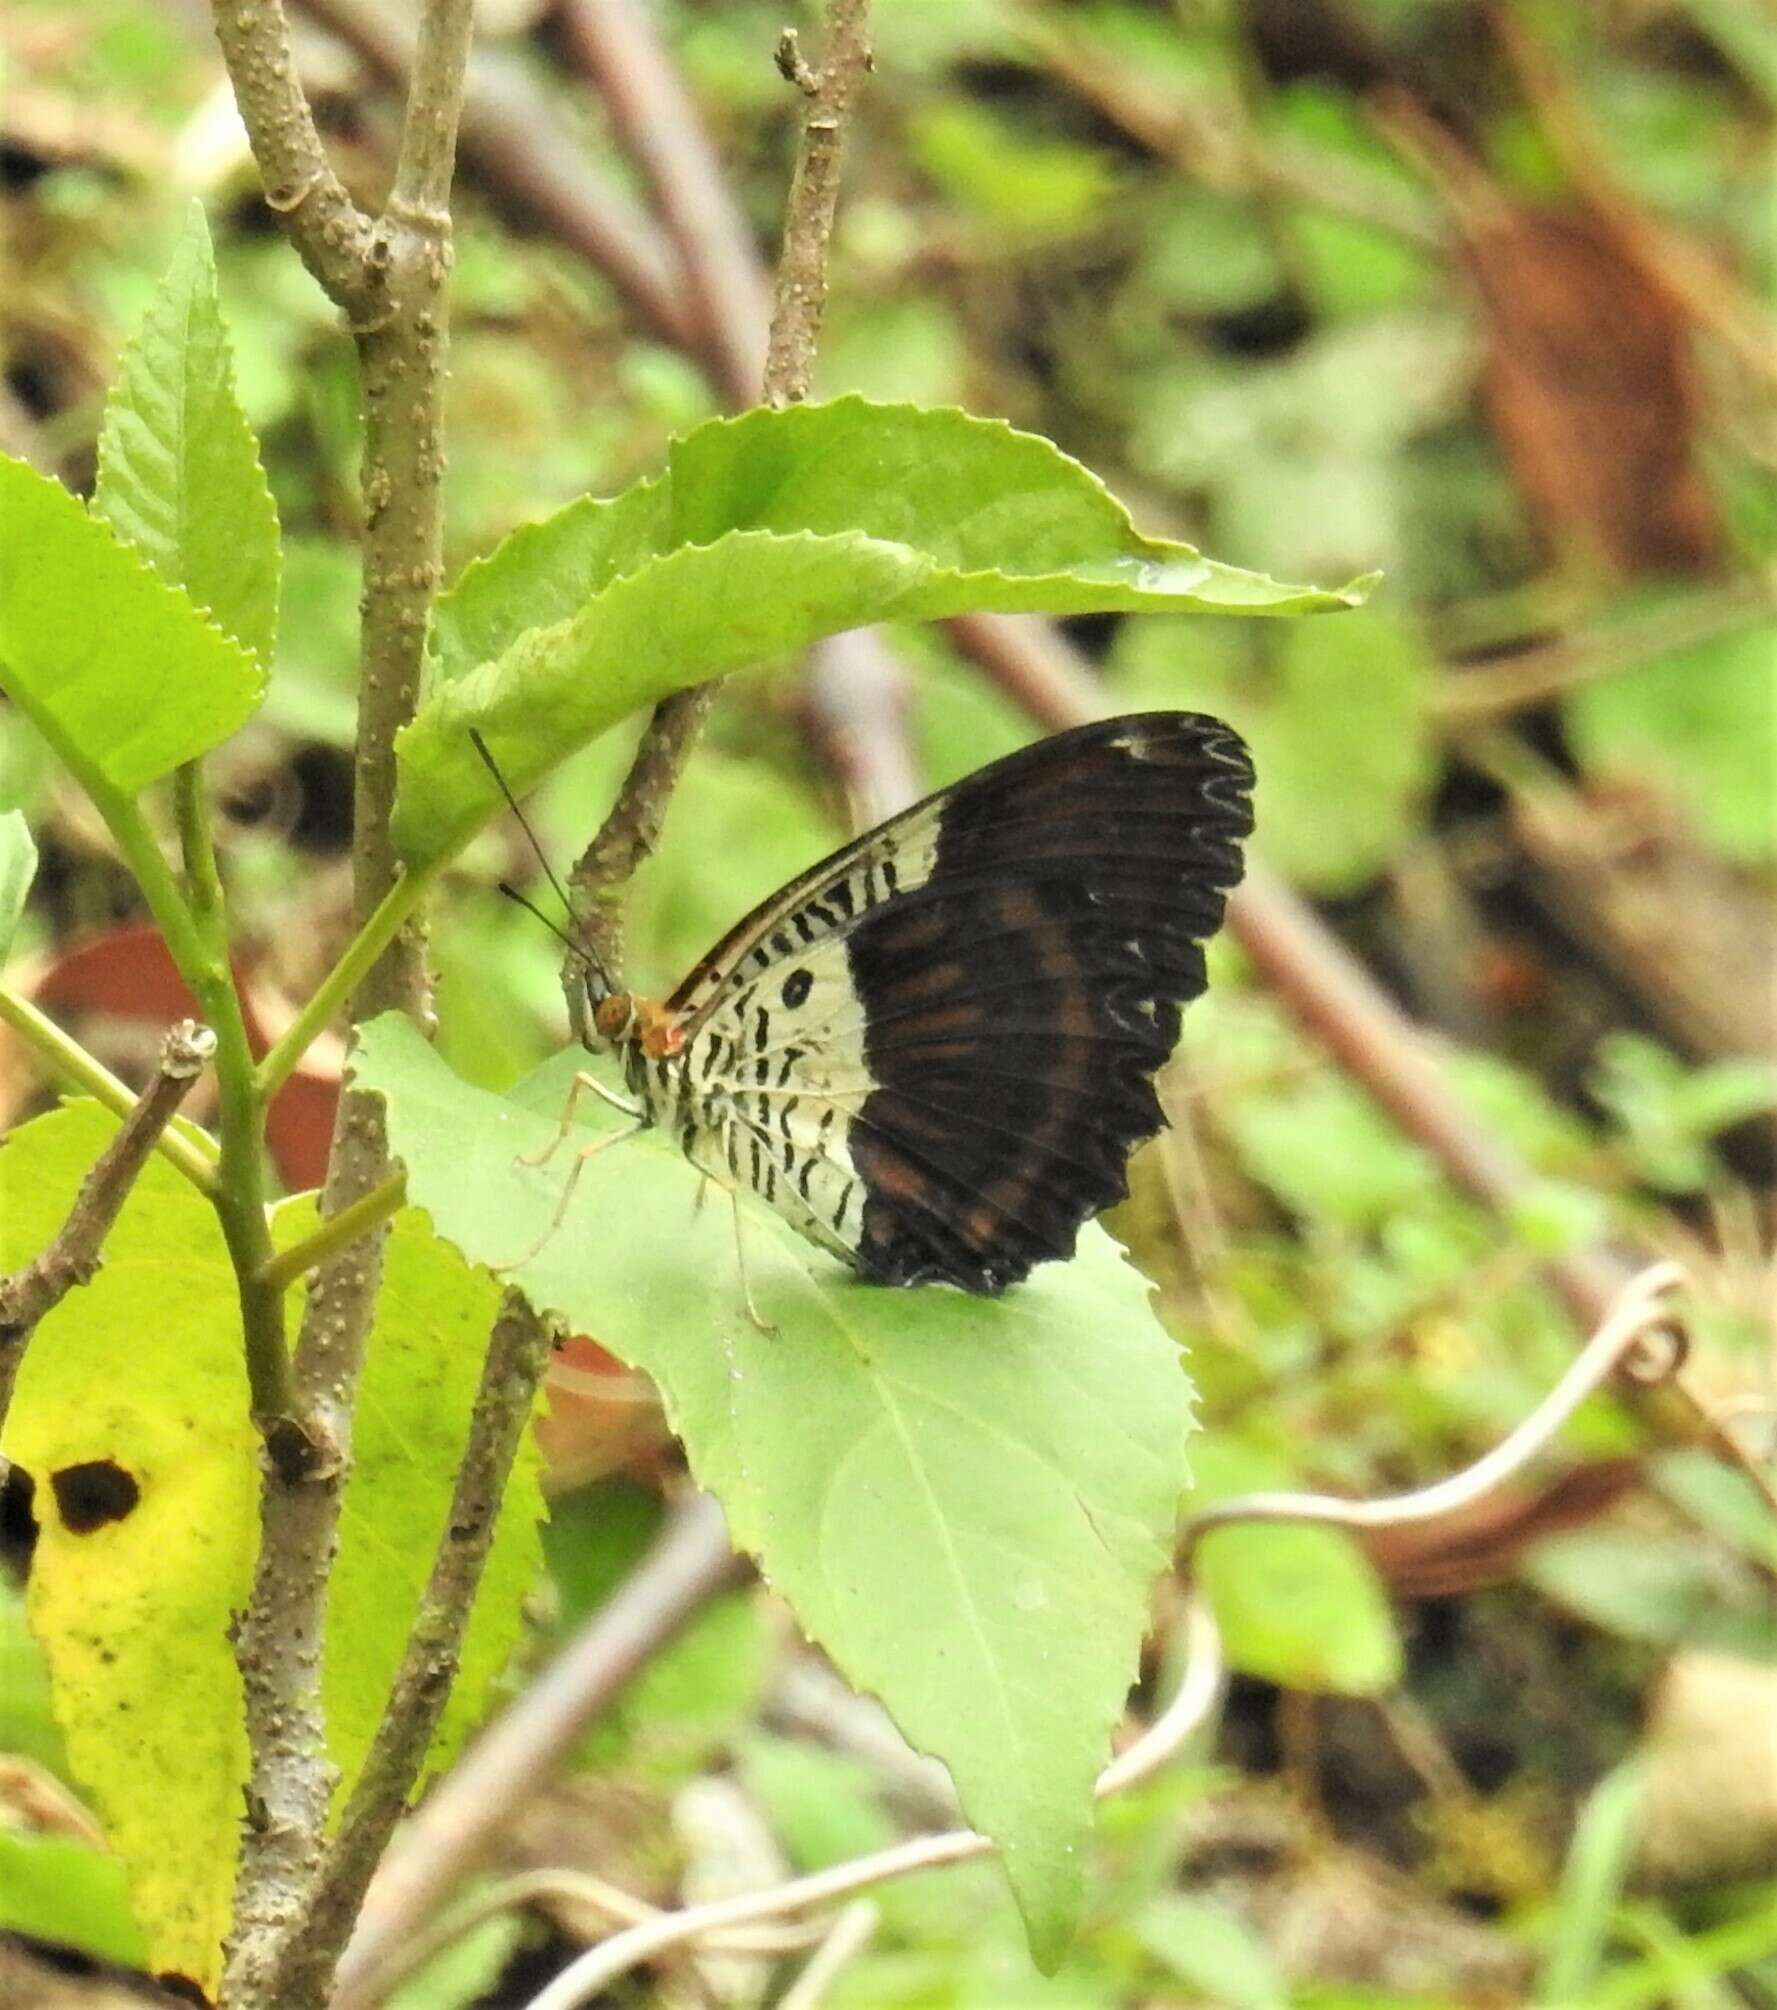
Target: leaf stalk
{"type": "Point", "coordinates": [188, 1149]}
{"type": "Point", "coordinates": [339, 1231]}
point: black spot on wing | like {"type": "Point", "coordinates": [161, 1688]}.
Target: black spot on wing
{"type": "Point", "coordinates": [1017, 1005]}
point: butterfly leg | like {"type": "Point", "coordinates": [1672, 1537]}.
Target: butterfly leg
{"type": "Point", "coordinates": [591, 1151]}
{"type": "Point", "coordinates": [764, 1325]}
{"type": "Point", "coordinates": [582, 1082]}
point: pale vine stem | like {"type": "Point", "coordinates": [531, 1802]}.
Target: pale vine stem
{"type": "Point", "coordinates": [388, 274]}
{"type": "Point", "coordinates": [1638, 1308]}
{"type": "Point", "coordinates": [74, 1253]}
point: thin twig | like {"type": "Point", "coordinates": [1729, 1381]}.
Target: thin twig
{"type": "Point", "coordinates": [1475, 693]}
{"type": "Point", "coordinates": [517, 1355]}
{"type": "Point", "coordinates": [339, 1231]}
{"type": "Point", "coordinates": [571, 1891]}
{"type": "Point", "coordinates": [513, 138]}
{"type": "Point", "coordinates": [631, 832]}
{"type": "Point", "coordinates": [855, 703]}
{"type": "Point", "coordinates": [331, 234]}
{"type": "Point", "coordinates": [516, 1756]}
{"type": "Point", "coordinates": [799, 297]}
{"type": "Point", "coordinates": [74, 1254]}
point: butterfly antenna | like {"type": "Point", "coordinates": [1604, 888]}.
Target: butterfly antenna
{"type": "Point", "coordinates": [511, 892]}
{"type": "Point", "coordinates": [530, 907]}
{"type": "Point", "coordinates": [493, 768]}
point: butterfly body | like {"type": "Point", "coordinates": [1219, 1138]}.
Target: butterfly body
{"type": "Point", "coordinates": [934, 1051]}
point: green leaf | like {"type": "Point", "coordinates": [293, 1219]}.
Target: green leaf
{"type": "Point", "coordinates": [1337, 715]}
{"type": "Point", "coordinates": [468, 1971]}
{"type": "Point", "coordinates": [136, 1380]}
{"type": "Point", "coordinates": [1701, 722]}
{"type": "Point", "coordinates": [765, 533]}
{"type": "Point", "coordinates": [421, 1372]}
{"type": "Point", "coordinates": [1667, 1110]}
{"type": "Point", "coordinates": [27, 1721]}
{"type": "Point", "coordinates": [1591, 1884]}
{"type": "Point", "coordinates": [965, 1501]}
{"type": "Point", "coordinates": [1328, 1153]}
{"type": "Point", "coordinates": [59, 1890]}
{"type": "Point", "coordinates": [1297, 1605]}
{"type": "Point", "coordinates": [1212, 1950]}
{"type": "Point", "coordinates": [119, 671]}
{"type": "Point", "coordinates": [18, 867]}
{"type": "Point", "coordinates": [1656, 1585]}
{"type": "Point", "coordinates": [179, 471]}
{"type": "Point", "coordinates": [1018, 182]}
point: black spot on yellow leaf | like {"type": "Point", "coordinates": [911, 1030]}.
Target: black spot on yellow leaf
{"type": "Point", "coordinates": [92, 1494]}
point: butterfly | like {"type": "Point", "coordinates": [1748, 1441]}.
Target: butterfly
{"type": "Point", "coordinates": [933, 1052]}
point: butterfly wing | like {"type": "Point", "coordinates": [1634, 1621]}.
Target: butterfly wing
{"type": "Point", "coordinates": [935, 1051]}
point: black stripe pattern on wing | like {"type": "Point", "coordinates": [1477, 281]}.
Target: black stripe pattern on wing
{"type": "Point", "coordinates": [1017, 1005]}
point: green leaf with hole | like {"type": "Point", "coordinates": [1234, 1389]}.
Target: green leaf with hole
{"type": "Point", "coordinates": [965, 1501]}
{"type": "Point", "coordinates": [130, 1415]}
{"type": "Point", "coordinates": [118, 670]}
{"type": "Point", "coordinates": [179, 470]}
{"type": "Point", "coordinates": [18, 867]}
{"type": "Point", "coordinates": [765, 533]}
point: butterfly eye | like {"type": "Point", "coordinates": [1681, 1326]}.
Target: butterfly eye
{"type": "Point", "coordinates": [797, 986]}
{"type": "Point", "coordinates": [612, 1015]}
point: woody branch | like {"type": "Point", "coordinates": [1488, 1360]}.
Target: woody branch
{"type": "Point", "coordinates": [74, 1256]}
{"type": "Point", "coordinates": [387, 273]}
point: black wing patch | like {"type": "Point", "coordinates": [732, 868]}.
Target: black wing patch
{"type": "Point", "coordinates": [1018, 1002]}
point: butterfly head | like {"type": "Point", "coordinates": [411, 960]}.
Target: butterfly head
{"type": "Point", "coordinates": [620, 1019]}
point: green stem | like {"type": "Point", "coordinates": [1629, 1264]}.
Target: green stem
{"type": "Point", "coordinates": [337, 1232]}
{"type": "Point", "coordinates": [188, 1149]}
{"type": "Point", "coordinates": [343, 979]}
{"type": "Point", "coordinates": [195, 925]}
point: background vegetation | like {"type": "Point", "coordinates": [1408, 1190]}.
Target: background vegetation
{"type": "Point", "coordinates": [1476, 296]}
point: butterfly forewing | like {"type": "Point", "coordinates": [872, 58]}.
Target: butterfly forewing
{"type": "Point", "coordinates": [934, 1052]}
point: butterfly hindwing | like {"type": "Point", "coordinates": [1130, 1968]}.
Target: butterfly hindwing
{"type": "Point", "coordinates": [935, 1051]}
